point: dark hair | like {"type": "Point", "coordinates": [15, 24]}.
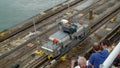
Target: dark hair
{"type": "Point", "coordinates": [97, 47]}
{"type": "Point", "coordinates": [76, 61]}
{"type": "Point", "coordinates": [105, 42]}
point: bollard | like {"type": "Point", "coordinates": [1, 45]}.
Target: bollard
{"type": "Point", "coordinates": [90, 14]}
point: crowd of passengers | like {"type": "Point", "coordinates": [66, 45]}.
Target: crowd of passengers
{"type": "Point", "coordinates": [101, 52]}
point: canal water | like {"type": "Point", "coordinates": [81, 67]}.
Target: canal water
{"type": "Point", "coordinates": [13, 12]}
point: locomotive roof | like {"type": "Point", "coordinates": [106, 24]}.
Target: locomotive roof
{"type": "Point", "coordinates": [61, 36]}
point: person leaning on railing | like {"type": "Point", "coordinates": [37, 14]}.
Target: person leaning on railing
{"type": "Point", "coordinates": [105, 45]}
{"type": "Point", "coordinates": [98, 57]}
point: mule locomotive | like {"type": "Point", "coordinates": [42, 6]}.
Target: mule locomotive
{"type": "Point", "coordinates": [67, 33]}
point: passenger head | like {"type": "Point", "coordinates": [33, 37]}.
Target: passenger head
{"type": "Point", "coordinates": [105, 44]}
{"type": "Point", "coordinates": [82, 62]}
{"type": "Point", "coordinates": [96, 47]}
{"type": "Point", "coordinates": [79, 62]}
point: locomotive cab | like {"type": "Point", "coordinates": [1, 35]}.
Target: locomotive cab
{"type": "Point", "coordinates": [51, 49]}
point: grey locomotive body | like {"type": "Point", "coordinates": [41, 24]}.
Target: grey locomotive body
{"type": "Point", "coordinates": [68, 33]}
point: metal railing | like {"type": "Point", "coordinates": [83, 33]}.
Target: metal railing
{"type": "Point", "coordinates": [108, 62]}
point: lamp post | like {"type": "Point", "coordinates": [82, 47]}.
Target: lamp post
{"type": "Point", "coordinates": [68, 5]}
{"type": "Point", "coordinates": [35, 31]}
{"type": "Point", "coordinates": [34, 25]}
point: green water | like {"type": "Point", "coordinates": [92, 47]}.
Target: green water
{"type": "Point", "coordinates": [13, 12]}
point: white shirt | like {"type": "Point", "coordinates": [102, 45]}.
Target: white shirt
{"type": "Point", "coordinates": [77, 67]}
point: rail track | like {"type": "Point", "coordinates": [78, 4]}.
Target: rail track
{"type": "Point", "coordinates": [94, 29]}
{"type": "Point", "coordinates": [38, 61]}
{"type": "Point", "coordinates": [22, 44]}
